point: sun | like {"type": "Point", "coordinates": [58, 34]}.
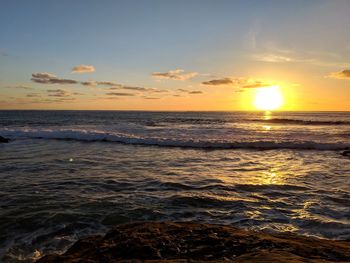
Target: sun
{"type": "Point", "coordinates": [268, 98]}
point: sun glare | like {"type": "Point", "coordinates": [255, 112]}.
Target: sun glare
{"type": "Point", "coordinates": [268, 98]}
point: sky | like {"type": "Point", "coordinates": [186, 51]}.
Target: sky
{"type": "Point", "coordinates": [174, 55]}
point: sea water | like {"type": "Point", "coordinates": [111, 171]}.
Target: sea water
{"type": "Point", "coordinates": [69, 174]}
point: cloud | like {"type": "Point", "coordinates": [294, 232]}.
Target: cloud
{"type": "Point", "coordinates": [32, 99]}
{"type": "Point", "coordinates": [83, 69]}
{"type": "Point", "coordinates": [345, 74]}
{"type": "Point", "coordinates": [151, 98]}
{"type": "Point", "coordinates": [117, 86]}
{"type": "Point", "coordinates": [33, 95]}
{"type": "Point", "coordinates": [19, 87]}
{"type": "Point", "coordinates": [158, 90]}
{"type": "Point", "coordinates": [317, 58]}
{"type": "Point", "coordinates": [58, 100]}
{"type": "Point", "coordinates": [48, 78]}
{"type": "Point", "coordinates": [108, 83]}
{"type": "Point", "coordinates": [89, 83]}
{"type": "Point", "coordinates": [138, 89]}
{"type": "Point", "coordinates": [195, 92]}
{"type": "Point", "coordinates": [119, 94]}
{"type": "Point", "coordinates": [58, 93]}
{"type": "Point", "coordinates": [253, 84]}
{"type": "Point", "coordinates": [240, 82]}
{"type": "Point", "coordinates": [44, 75]}
{"type": "Point", "coordinates": [177, 74]}
{"type": "Point", "coordinates": [273, 58]}
{"type": "Point", "coordinates": [218, 82]}
{"type": "Point", "coordinates": [182, 90]}
{"type": "Point", "coordinates": [135, 88]}
{"type": "Point", "coordinates": [190, 91]}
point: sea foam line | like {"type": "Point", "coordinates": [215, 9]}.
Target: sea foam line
{"type": "Point", "coordinates": [100, 136]}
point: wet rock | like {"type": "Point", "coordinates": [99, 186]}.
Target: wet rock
{"type": "Point", "coordinates": [4, 140]}
{"type": "Point", "coordinates": [192, 242]}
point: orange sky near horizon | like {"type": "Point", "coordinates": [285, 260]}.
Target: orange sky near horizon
{"type": "Point", "coordinates": [205, 56]}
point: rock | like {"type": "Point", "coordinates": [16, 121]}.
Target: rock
{"type": "Point", "coordinates": [184, 242]}
{"type": "Point", "coordinates": [346, 153]}
{"type": "Point", "coordinates": [4, 140]}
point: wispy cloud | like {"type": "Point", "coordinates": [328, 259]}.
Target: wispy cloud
{"type": "Point", "coordinates": [218, 82]}
{"type": "Point", "coordinates": [33, 95]}
{"type": "Point", "coordinates": [151, 98]}
{"type": "Point", "coordinates": [273, 58]}
{"type": "Point", "coordinates": [158, 90]}
{"type": "Point", "coordinates": [32, 99]}
{"type": "Point", "coordinates": [57, 100]}
{"type": "Point", "coordinates": [83, 69]}
{"type": "Point", "coordinates": [344, 74]}
{"type": "Point", "coordinates": [135, 88]}
{"type": "Point", "coordinates": [48, 78]}
{"type": "Point", "coordinates": [116, 89]}
{"type": "Point", "coordinates": [190, 91]}
{"type": "Point", "coordinates": [89, 83]}
{"type": "Point", "coordinates": [58, 93]}
{"type": "Point", "coordinates": [119, 94]}
{"type": "Point", "coordinates": [195, 92]}
{"type": "Point", "coordinates": [253, 84]}
{"type": "Point", "coordinates": [316, 58]}
{"type": "Point", "coordinates": [240, 82]}
{"type": "Point", "coordinates": [181, 90]}
{"type": "Point", "coordinates": [138, 89]}
{"type": "Point", "coordinates": [108, 83]}
{"type": "Point", "coordinates": [177, 74]}
{"type": "Point", "coordinates": [19, 87]}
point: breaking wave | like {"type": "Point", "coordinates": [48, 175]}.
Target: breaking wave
{"type": "Point", "coordinates": [301, 122]}
{"type": "Point", "coordinates": [125, 138]}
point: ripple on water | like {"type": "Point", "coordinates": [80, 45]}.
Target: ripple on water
{"type": "Point", "coordinates": [48, 208]}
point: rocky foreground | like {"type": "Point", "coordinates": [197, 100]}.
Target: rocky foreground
{"type": "Point", "coordinates": [183, 242]}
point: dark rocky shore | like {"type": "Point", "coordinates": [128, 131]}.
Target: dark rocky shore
{"type": "Point", "coordinates": [183, 242]}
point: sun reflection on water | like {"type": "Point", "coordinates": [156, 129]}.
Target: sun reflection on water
{"type": "Point", "coordinates": [272, 177]}
{"type": "Point", "coordinates": [266, 127]}
{"type": "Point", "coordinates": [267, 115]}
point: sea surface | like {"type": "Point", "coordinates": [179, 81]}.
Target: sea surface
{"type": "Point", "coordinates": [68, 174]}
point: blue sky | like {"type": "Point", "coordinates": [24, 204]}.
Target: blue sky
{"type": "Point", "coordinates": [292, 43]}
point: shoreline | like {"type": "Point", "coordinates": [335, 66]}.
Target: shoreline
{"type": "Point", "coordinates": [184, 241]}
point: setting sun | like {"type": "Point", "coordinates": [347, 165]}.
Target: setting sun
{"type": "Point", "coordinates": [268, 98]}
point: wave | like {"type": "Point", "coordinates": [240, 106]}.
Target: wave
{"type": "Point", "coordinates": [301, 122]}
{"type": "Point", "coordinates": [101, 136]}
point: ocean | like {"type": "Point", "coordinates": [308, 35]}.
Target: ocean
{"type": "Point", "coordinates": [69, 174]}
